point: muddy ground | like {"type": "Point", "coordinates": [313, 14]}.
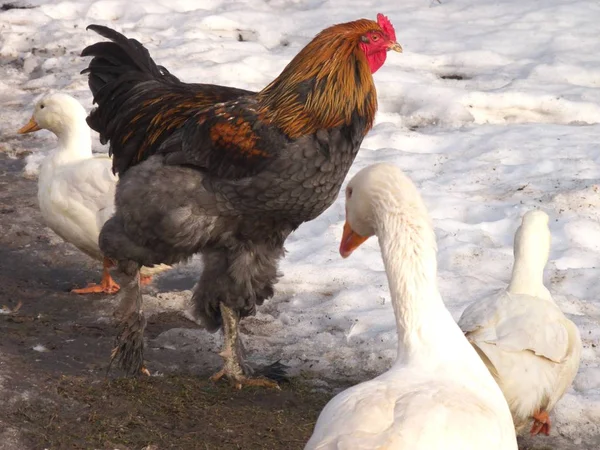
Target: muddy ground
{"type": "Point", "coordinates": [55, 392]}
{"type": "Point", "coordinates": [61, 398]}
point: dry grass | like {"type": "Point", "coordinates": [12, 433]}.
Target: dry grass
{"type": "Point", "coordinates": [173, 412]}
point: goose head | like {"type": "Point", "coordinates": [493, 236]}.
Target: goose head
{"type": "Point", "coordinates": [378, 191]}
{"type": "Point", "coordinates": [59, 113]}
{"type": "Point", "coordinates": [532, 239]}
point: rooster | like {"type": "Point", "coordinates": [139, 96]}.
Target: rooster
{"type": "Point", "coordinates": [225, 172]}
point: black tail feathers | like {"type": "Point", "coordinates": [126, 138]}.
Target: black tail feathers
{"type": "Point", "coordinates": [122, 59]}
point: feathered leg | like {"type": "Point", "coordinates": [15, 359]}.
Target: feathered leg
{"type": "Point", "coordinates": [129, 343]}
{"type": "Point", "coordinates": [115, 244]}
{"type": "Point", "coordinates": [233, 354]}
{"type": "Point", "coordinates": [233, 282]}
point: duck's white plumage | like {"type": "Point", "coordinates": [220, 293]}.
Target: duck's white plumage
{"type": "Point", "coordinates": [530, 347]}
{"type": "Point", "coordinates": [438, 394]}
{"type": "Point", "coordinates": [75, 187]}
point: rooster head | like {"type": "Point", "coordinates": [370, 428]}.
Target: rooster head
{"type": "Point", "coordinates": [377, 41]}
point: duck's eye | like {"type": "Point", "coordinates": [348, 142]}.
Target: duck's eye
{"type": "Point", "coordinates": [42, 106]}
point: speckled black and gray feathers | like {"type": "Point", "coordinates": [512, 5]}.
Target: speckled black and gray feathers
{"type": "Point", "coordinates": [240, 278]}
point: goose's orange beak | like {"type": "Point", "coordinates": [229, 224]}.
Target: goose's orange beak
{"type": "Point", "coordinates": [30, 127]}
{"type": "Point", "coordinates": [350, 241]}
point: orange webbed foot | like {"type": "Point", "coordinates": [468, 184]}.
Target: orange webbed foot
{"type": "Point", "coordinates": [541, 423]}
{"type": "Point", "coordinates": [106, 286]}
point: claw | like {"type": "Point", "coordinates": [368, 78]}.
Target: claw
{"type": "Point", "coordinates": [217, 376]}
{"type": "Point", "coordinates": [239, 382]}
{"type": "Point", "coordinates": [7, 310]}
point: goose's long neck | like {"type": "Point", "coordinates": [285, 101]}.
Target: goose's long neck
{"type": "Point", "coordinates": [531, 251]}
{"type": "Point", "coordinates": [74, 142]}
{"type": "Point", "coordinates": [425, 327]}
{"type": "Point", "coordinates": [526, 277]}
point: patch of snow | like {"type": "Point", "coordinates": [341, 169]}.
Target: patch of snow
{"type": "Point", "coordinates": [493, 109]}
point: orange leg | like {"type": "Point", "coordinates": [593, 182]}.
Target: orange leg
{"type": "Point", "coordinates": [541, 423]}
{"type": "Point", "coordinates": [145, 279]}
{"type": "Point", "coordinates": [106, 286]}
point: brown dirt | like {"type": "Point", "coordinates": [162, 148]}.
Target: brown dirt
{"type": "Point", "coordinates": [171, 412]}
{"type": "Point", "coordinates": [61, 398]}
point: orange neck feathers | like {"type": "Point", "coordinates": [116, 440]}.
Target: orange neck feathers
{"type": "Point", "coordinates": [324, 85]}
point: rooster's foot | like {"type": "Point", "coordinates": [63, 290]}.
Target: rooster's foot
{"type": "Point", "coordinates": [239, 381]}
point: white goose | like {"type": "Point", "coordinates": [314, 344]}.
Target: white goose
{"type": "Point", "coordinates": [438, 394]}
{"type": "Point", "coordinates": [530, 347]}
{"type": "Point", "coordinates": [75, 188]}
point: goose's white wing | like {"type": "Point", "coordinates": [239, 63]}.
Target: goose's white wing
{"type": "Point", "coordinates": [78, 200]}
{"type": "Point", "coordinates": [517, 322]}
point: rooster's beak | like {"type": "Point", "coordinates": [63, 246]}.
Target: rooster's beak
{"type": "Point", "coordinates": [350, 241]}
{"type": "Point", "coordinates": [30, 127]}
{"type": "Point", "coordinates": [395, 46]}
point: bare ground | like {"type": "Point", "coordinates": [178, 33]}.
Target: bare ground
{"type": "Point", "coordinates": [61, 398]}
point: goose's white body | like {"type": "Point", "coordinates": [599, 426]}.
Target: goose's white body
{"type": "Point", "coordinates": [438, 395]}
{"type": "Point", "coordinates": [76, 189]}
{"type": "Point", "coordinates": [76, 193]}
{"type": "Point", "coordinates": [530, 347]}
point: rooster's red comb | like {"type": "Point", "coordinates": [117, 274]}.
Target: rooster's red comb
{"type": "Point", "coordinates": [386, 26]}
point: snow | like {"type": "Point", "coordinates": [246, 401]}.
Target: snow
{"type": "Point", "coordinates": [492, 109]}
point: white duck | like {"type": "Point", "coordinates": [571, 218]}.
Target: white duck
{"type": "Point", "coordinates": [530, 347]}
{"type": "Point", "coordinates": [438, 394]}
{"type": "Point", "coordinates": [75, 188]}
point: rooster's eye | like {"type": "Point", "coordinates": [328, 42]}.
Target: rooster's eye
{"type": "Point", "coordinates": [375, 38]}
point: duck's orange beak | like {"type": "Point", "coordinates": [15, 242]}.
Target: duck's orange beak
{"type": "Point", "coordinates": [30, 127]}
{"type": "Point", "coordinates": [350, 241]}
